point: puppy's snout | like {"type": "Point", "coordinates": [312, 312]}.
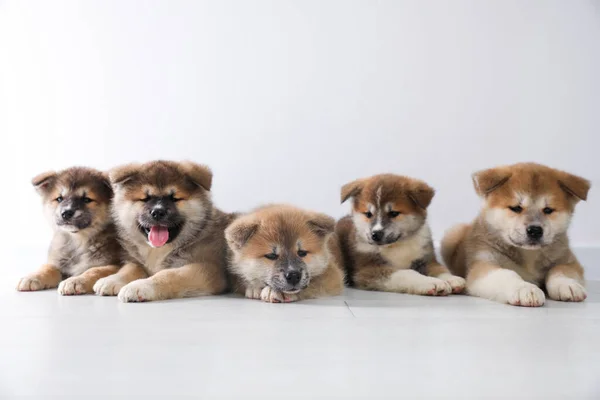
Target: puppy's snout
{"type": "Point", "coordinates": [535, 232]}
{"type": "Point", "coordinates": [67, 214]}
{"type": "Point", "coordinates": [377, 236]}
{"type": "Point", "coordinates": [293, 277]}
{"type": "Point", "coordinates": [158, 213]}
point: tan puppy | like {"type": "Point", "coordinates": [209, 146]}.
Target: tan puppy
{"type": "Point", "coordinates": [171, 231]}
{"type": "Point", "coordinates": [519, 243]}
{"type": "Point", "coordinates": [84, 247]}
{"type": "Point", "coordinates": [281, 253]}
{"type": "Point", "coordinates": [386, 241]}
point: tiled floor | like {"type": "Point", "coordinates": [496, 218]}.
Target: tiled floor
{"type": "Point", "coordinates": [362, 345]}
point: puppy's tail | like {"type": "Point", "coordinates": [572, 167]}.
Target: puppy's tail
{"type": "Point", "coordinates": [453, 248]}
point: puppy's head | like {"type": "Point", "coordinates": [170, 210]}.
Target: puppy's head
{"type": "Point", "coordinates": [387, 208]}
{"type": "Point", "coordinates": [529, 205]}
{"type": "Point", "coordinates": [280, 246]}
{"type": "Point", "coordinates": [76, 199]}
{"type": "Point", "coordinates": [161, 201]}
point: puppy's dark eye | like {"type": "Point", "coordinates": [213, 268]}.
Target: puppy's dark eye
{"type": "Point", "coordinates": [302, 253]}
{"type": "Point", "coordinates": [393, 214]}
{"type": "Point", "coordinates": [368, 214]}
{"type": "Point", "coordinates": [516, 209]}
{"type": "Point", "coordinates": [87, 200]}
{"type": "Point", "coordinates": [271, 256]}
{"type": "Point", "coordinates": [548, 210]}
{"type": "Point", "coordinates": [59, 199]}
{"type": "Point", "coordinates": [173, 198]}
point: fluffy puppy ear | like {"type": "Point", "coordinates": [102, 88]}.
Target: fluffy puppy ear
{"type": "Point", "coordinates": [421, 194]}
{"type": "Point", "coordinates": [321, 224]}
{"type": "Point", "coordinates": [488, 180]}
{"type": "Point", "coordinates": [574, 185]}
{"type": "Point", "coordinates": [200, 174]}
{"type": "Point", "coordinates": [44, 182]}
{"type": "Point", "coordinates": [352, 189]}
{"type": "Point", "coordinates": [240, 231]}
{"type": "Point", "coordinates": [124, 173]}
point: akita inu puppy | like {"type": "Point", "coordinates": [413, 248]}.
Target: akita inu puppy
{"type": "Point", "coordinates": [386, 241]}
{"type": "Point", "coordinates": [518, 244]}
{"type": "Point", "coordinates": [84, 247]}
{"type": "Point", "coordinates": [280, 254]}
{"type": "Point", "coordinates": [172, 232]}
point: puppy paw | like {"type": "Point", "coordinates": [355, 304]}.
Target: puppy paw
{"type": "Point", "coordinates": [456, 283]}
{"type": "Point", "coordinates": [30, 284]}
{"type": "Point", "coordinates": [275, 296]}
{"type": "Point", "coordinates": [73, 286]}
{"type": "Point", "coordinates": [108, 286]}
{"type": "Point", "coordinates": [138, 291]}
{"type": "Point", "coordinates": [527, 295]}
{"type": "Point", "coordinates": [253, 292]}
{"type": "Point", "coordinates": [565, 289]}
{"type": "Point", "coordinates": [432, 287]}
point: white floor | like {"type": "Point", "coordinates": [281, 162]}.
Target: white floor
{"type": "Point", "coordinates": [362, 345]}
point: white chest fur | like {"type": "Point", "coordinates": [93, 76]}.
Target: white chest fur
{"type": "Point", "coordinates": [402, 253]}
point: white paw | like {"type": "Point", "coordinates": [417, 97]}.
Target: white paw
{"type": "Point", "coordinates": [108, 286]}
{"type": "Point", "coordinates": [253, 292]}
{"type": "Point", "coordinates": [138, 291]}
{"type": "Point", "coordinates": [29, 284]}
{"type": "Point", "coordinates": [275, 296]}
{"type": "Point", "coordinates": [72, 286]}
{"type": "Point", "coordinates": [432, 287]}
{"type": "Point", "coordinates": [456, 283]}
{"type": "Point", "coordinates": [526, 295]}
{"type": "Point", "coordinates": [565, 289]}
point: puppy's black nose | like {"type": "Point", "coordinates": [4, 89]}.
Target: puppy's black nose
{"type": "Point", "coordinates": [293, 277]}
{"type": "Point", "coordinates": [158, 213]}
{"type": "Point", "coordinates": [377, 236]}
{"type": "Point", "coordinates": [535, 232]}
{"type": "Point", "coordinates": [67, 214]}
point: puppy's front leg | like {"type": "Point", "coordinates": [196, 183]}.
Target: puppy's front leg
{"type": "Point", "coordinates": [503, 285]}
{"type": "Point", "coordinates": [187, 281]}
{"type": "Point", "coordinates": [47, 277]}
{"type": "Point", "coordinates": [387, 279]}
{"type": "Point", "coordinates": [439, 271]}
{"type": "Point", "coordinates": [84, 283]}
{"type": "Point", "coordinates": [412, 282]}
{"type": "Point", "coordinates": [112, 284]}
{"type": "Point", "coordinates": [565, 282]}
{"type": "Point", "coordinates": [253, 292]}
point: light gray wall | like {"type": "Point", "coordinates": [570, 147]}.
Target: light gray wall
{"type": "Point", "coordinates": [288, 100]}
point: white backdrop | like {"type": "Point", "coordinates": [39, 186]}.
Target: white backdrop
{"type": "Point", "coordinates": [288, 100]}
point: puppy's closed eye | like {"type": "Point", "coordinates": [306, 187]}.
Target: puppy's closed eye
{"type": "Point", "coordinates": [302, 253]}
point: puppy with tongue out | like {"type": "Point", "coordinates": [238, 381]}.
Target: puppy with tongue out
{"type": "Point", "coordinates": [173, 234]}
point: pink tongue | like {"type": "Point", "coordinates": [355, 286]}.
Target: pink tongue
{"type": "Point", "coordinates": [158, 235]}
